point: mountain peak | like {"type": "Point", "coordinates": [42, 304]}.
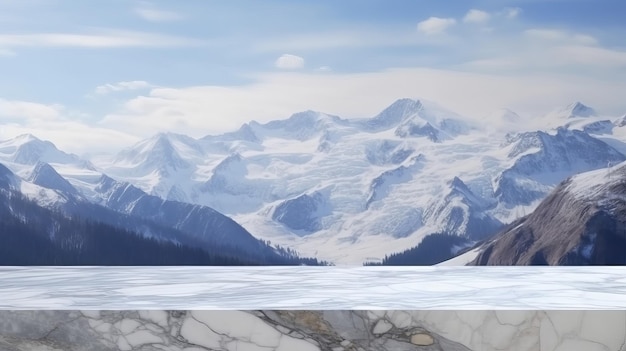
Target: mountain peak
{"type": "Point", "coordinates": [620, 122]}
{"type": "Point", "coordinates": [300, 125]}
{"type": "Point", "coordinates": [456, 182]}
{"type": "Point", "coordinates": [247, 133]}
{"type": "Point", "coordinates": [394, 114]}
{"type": "Point", "coordinates": [587, 231]}
{"type": "Point", "coordinates": [161, 151]}
{"type": "Point", "coordinates": [403, 107]}
{"type": "Point", "coordinates": [578, 109]}
{"type": "Point", "coordinates": [46, 176]}
{"type": "Point", "coordinates": [162, 141]}
{"type": "Point", "coordinates": [302, 119]}
{"type": "Point", "coordinates": [24, 138]}
{"type": "Point", "coordinates": [407, 103]}
{"type": "Point", "coordinates": [28, 149]}
{"type": "Point", "coordinates": [167, 137]}
{"type": "Point", "coordinates": [458, 187]}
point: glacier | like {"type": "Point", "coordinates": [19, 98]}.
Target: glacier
{"type": "Point", "coordinates": [344, 190]}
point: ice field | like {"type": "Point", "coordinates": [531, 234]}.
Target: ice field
{"type": "Point", "coordinates": [243, 288]}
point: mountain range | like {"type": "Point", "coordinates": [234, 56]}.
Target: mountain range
{"type": "Point", "coordinates": [340, 190]}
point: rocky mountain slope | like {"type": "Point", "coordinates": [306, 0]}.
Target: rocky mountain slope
{"type": "Point", "coordinates": [63, 226]}
{"type": "Point", "coordinates": [581, 222]}
{"type": "Point", "coordinates": [344, 190]}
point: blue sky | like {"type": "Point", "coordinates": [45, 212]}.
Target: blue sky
{"type": "Point", "coordinates": [128, 69]}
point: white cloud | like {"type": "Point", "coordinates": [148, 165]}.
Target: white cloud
{"type": "Point", "coordinates": [588, 55]}
{"type": "Point", "coordinates": [288, 61]}
{"type": "Point", "coordinates": [551, 50]}
{"type": "Point", "coordinates": [16, 110]}
{"type": "Point", "coordinates": [103, 39]}
{"type": "Point", "coordinates": [148, 12]}
{"type": "Point", "coordinates": [560, 36]}
{"type": "Point", "coordinates": [203, 110]}
{"type": "Point", "coordinates": [121, 86]}
{"type": "Point", "coordinates": [476, 16]}
{"type": "Point", "coordinates": [539, 49]}
{"type": "Point", "coordinates": [71, 136]}
{"type": "Point", "coordinates": [52, 122]}
{"type": "Point", "coordinates": [434, 25]}
{"type": "Point", "coordinates": [325, 69]}
{"type": "Point", "coordinates": [512, 12]}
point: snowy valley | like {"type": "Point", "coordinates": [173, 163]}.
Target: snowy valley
{"type": "Point", "coordinates": [346, 191]}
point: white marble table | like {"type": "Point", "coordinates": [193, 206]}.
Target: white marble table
{"type": "Point", "coordinates": [312, 330]}
{"type": "Point", "coordinates": [340, 288]}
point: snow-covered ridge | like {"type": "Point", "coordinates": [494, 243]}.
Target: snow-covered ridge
{"type": "Point", "coordinates": [581, 222]}
{"type": "Point", "coordinates": [596, 185]}
{"type": "Point", "coordinates": [367, 187]}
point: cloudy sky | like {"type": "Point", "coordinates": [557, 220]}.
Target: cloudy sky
{"type": "Point", "coordinates": [101, 74]}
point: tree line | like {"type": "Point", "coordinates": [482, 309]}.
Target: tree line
{"type": "Point", "coordinates": [34, 235]}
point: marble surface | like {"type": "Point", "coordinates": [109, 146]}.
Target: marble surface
{"type": "Point", "coordinates": [308, 330]}
{"type": "Point", "coordinates": [341, 288]}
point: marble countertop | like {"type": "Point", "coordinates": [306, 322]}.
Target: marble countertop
{"type": "Point", "coordinates": [262, 330]}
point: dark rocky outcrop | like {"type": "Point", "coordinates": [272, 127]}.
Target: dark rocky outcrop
{"type": "Point", "coordinates": [568, 228]}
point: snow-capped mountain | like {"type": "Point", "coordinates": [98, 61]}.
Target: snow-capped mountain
{"type": "Point", "coordinates": [542, 160]}
{"type": "Point", "coordinates": [461, 212]}
{"type": "Point", "coordinates": [42, 226]}
{"type": "Point", "coordinates": [574, 110]}
{"type": "Point", "coordinates": [343, 190]}
{"type": "Point", "coordinates": [161, 164]}
{"type": "Point", "coordinates": [582, 222]}
{"type": "Point", "coordinates": [28, 150]}
{"type": "Point", "coordinates": [573, 116]}
{"type": "Point", "coordinates": [163, 152]}
{"type": "Point", "coordinates": [300, 126]}
{"type": "Point", "coordinates": [415, 118]}
{"type": "Point", "coordinates": [123, 208]}
{"type": "Point", "coordinates": [45, 176]}
{"type": "Point", "coordinates": [199, 222]}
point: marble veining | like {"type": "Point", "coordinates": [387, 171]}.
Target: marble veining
{"type": "Point", "coordinates": [246, 288]}
{"type": "Point", "coordinates": [309, 330]}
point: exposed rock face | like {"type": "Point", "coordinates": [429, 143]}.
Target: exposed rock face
{"type": "Point", "coordinates": [304, 212]}
{"type": "Point", "coordinates": [201, 222]}
{"type": "Point", "coordinates": [582, 222]}
{"type": "Point", "coordinates": [415, 118]}
{"type": "Point", "coordinates": [380, 186]}
{"type": "Point", "coordinates": [556, 156]}
{"type": "Point", "coordinates": [462, 213]}
{"type": "Point", "coordinates": [599, 127]}
{"type": "Point", "coordinates": [418, 130]}
{"type": "Point", "coordinates": [394, 114]}
{"type": "Point", "coordinates": [578, 109]}
{"type": "Point", "coordinates": [44, 175]}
